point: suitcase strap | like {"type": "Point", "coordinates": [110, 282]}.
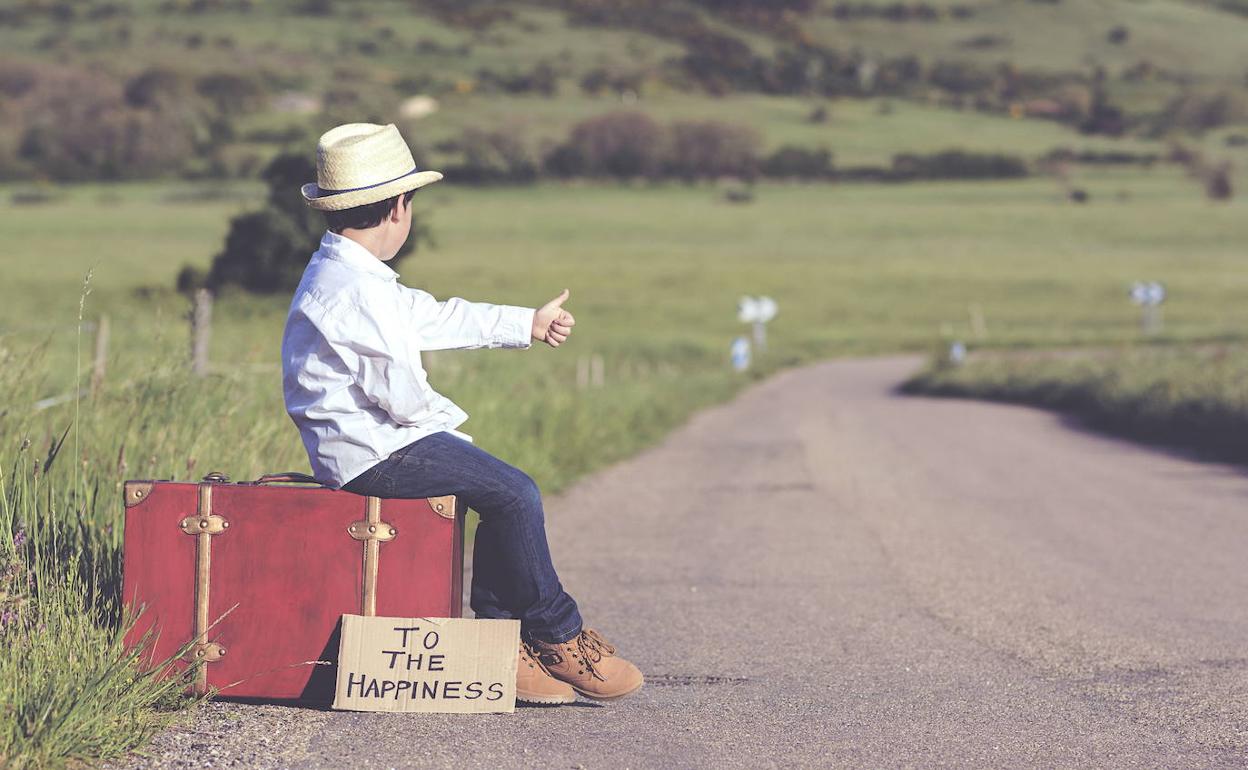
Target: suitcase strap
{"type": "Point", "coordinates": [372, 531]}
{"type": "Point", "coordinates": [203, 526]}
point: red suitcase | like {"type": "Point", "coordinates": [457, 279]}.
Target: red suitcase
{"type": "Point", "coordinates": [256, 577]}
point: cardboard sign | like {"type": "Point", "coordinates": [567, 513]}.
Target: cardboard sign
{"type": "Point", "coordinates": [447, 665]}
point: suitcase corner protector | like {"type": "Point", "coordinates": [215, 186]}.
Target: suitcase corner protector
{"type": "Point", "coordinates": [443, 506]}
{"type": "Point", "coordinates": [136, 492]}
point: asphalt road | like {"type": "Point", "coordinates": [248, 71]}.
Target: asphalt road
{"type": "Point", "coordinates": [823, 573]}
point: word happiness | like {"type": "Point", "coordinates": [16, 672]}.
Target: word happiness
{"type": "Point", "coordinates": [403, 662]}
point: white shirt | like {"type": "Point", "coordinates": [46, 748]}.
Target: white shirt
{"type": "Point", "coordinates": [351, 368]}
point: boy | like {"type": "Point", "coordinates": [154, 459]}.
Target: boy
{"type": "Point", "coordinates": [372, 425]}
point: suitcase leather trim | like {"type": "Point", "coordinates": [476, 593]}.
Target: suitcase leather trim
{"type": "Point", "coordinates": [373, 532]}
{"type": "Point", "coordinates": [137, 491]}
{"type": "Point", "coordinates": [203, 526]}
{"type": "Point", "coordinates": [443, 506]}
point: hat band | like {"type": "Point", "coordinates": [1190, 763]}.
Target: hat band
{"type": "Point", "coordinates": [323, 192]}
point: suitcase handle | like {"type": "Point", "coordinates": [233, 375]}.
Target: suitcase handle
{"type": "Point", "coordinates": [289, 477]}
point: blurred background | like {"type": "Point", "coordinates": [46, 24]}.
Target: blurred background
{"type": "Point", "coordinates": [1046, 196]}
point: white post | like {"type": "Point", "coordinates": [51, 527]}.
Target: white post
{"type": "Point", "coordinates": [101, 354]}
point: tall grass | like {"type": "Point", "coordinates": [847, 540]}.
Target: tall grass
{"type": "Point", "coordinates": [69, 687]}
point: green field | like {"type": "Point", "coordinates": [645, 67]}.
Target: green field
{"type": "Point", "coordinates": [655, 273]}
{"type": "Point", "coordinates": [855, 268]}
{"type": "Point", "coordinates": [859, 131]}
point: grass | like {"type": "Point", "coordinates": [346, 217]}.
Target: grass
{"type": "Point", "coordinates": [69, 688]}
{"type": "Point", "coordinates": [1192, 397]}
{"type": "Point", "coordinates": [859, 131]}
{"type": "Point", "coordinates": [856, 268]}
{"type": "Point", "coordinates": [655, 273]}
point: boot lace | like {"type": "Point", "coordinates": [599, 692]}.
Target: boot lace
{"type": "Point", "coordinates": [591, 648]}
{"type": "Point", "coordinates": [528, 656]}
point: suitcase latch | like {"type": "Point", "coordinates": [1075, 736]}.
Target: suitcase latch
{"type": "Point", "coordinates": [366, 530]}
{"type": "Point", "coordinates": [206, 652]}
{"type": "Point", "coordinates": [210, 524]}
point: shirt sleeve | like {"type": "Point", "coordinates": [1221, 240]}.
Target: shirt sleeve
{"type": "Point", "coordinates": [458, 323]}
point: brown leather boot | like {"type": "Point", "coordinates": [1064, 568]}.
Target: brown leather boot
{"type": "Point", "coordinates": [588, 663]}
{"type": "Point", "coordinates": [534, 684]}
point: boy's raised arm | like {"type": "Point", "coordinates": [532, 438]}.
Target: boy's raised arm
{"type": "Point", "coordinates": [458, 323]}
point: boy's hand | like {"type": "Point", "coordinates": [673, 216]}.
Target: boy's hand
{"type": "Point", "coordinates": [551, 323]}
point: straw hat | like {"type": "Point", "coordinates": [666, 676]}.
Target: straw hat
{"type": "Point", "coordinates": [361, 163]}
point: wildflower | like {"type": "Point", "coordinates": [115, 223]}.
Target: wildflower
{"type": "Point", "coordinates": [19, 538]}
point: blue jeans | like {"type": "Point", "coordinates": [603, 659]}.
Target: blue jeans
{"type": "Point", "coordinates": [512, 574]}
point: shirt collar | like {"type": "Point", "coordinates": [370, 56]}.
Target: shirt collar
{"type": "Point", "coordinates": [353, 255]}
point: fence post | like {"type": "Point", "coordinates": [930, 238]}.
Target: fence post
{"type": "Point", "coordinates": [598, 370]}
{"type": "Point", "coordinates": [201, 331]}
{"type": "Point", "coordinates": [100, 364]}
{"type": "Point", "coordinates": [582, 372]}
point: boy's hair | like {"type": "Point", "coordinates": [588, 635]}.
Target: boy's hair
{"type": "Point", "coordinates": [366, 216]}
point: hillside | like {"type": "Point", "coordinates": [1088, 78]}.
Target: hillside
{"type": "Point", "coordinates": [227, 83]}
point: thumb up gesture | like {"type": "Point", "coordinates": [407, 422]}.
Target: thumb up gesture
{"type": "Point", "coordinates": [551, 323]}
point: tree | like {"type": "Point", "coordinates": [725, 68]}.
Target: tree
{"type": "Point", "coordinates": [266, 251]}
{"type": "Point", "coordinates": [621, 144]}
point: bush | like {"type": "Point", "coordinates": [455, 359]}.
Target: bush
{"type": "Point", "coordinates": [157, 88]}
{"type": "Point", "coordinates": [17, 78]}
{"type": "Point", "coordinates": [1101, 157]}
{"type": "Point", "coordinates": [961, 77]}
{"type": "Point", "coordinates": [1218, 184]}
{"type": "Point", "coordinates": [958, 164]}
{"type": "Point", "coordinates": [619, 144]}
{"type": "Point", "coordinates": [1200, 111]}
{"type": "Point", "coordinates": [791, 162]}
{"type": "Point", "coordinates": [79, 125]}
{"type": "Point", "coordinates": [542, 79]}
{"type": "Point", "coordinates": [231, 94]}
{"type": "Point", "coordinates": [710, 149]}
{"type": "Point", "coordinates": [493, 157]}
{"type": "Point", "coordinates": [721, 63]}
